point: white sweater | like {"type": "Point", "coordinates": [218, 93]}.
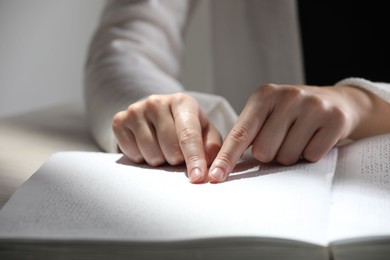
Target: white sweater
{"type": "Point", "coordinates": [137, 51]}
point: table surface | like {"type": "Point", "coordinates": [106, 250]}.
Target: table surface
{"type": "Point", "coordinates": [27, 140]}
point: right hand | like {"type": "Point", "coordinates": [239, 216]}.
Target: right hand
{"type": "Point", "coordinates": [168, 129]}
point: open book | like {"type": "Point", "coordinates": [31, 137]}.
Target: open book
{"type": "Point", "coordinates": [96, 205]}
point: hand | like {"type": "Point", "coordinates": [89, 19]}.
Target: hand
{"type": "Point", "coordinates": [285, 123]}
{"type": "Point", "coordinates": [168, 129]}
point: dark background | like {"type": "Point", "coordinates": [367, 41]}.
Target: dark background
{"type": "Point", "coordinates": [345, 39]}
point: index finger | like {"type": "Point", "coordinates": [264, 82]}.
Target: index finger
{"type": "Point", "coordinates": [189, 122]}
{"type": "Point", "coordinates": [237, 141]}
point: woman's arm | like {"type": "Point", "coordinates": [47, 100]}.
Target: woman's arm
{"type": "Point", "coordinates": [136, 51]}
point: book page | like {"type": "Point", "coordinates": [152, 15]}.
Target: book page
{"type": "Point", "coordinates": [80, 195]}
{"type": "Point", "coordinates": [361, 194]}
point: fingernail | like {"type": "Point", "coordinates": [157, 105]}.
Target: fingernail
{"type": "Point", "coordinates": [216, 174]}
{"type": "Point", "coordinates": [196, 175]}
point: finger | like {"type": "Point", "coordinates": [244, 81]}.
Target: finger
{"type": "Point", "coordinates": [298, 136]}
{"type": "Point", "coordinates": [147, 142]}
{"type": "Point", "coordinates": [272, 134]}
{"type": "Point", "coordinates": [212, 143]}
{"type": "Point", "coordinates": [237, 141]}
{"type": "Point", "coordinates": [125, 139]}
{"type": "Point", "coordinates": [189, 122]}
{"type": "Point", "coordinates": [314, 133]}
{"type": "Point", "coordinates": [321, 143]}
{"type": "Point", "coordinates": [164, 126]}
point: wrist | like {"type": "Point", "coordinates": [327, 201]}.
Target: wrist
{"type": "Point", "coordinates": [365, 108]}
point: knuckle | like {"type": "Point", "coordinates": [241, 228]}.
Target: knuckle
{"type": "Point", "coordinates": [154, 102]}
{"type": "Point", "coordinates": [339, 117]}
{"type": "Point", "coordinates": [134, 110]}
{"type": "Point", "coordinates": [226, 160]}
{"type": "Point", "coordinates": [315, 102]}
{"type": "Point", "coordinates": [131, 152]}
{"type": "Point", "coordinates": [269, 88]}
{"type": "Point", "coordinates": [187, 136]}
{"type": "Point", "coordinates": [156, 161]}
{"type": "Point", "coordinates": [293, 93]}
{"type": "Point", "coordinates": [117, 120]}
{"type": "Point", "coordinates": [311, 156]}
{"type": "Point", "coordinates": [266, 91]}
{"type": "Point", "coordinates": [182, 98]}
{"type": "Point", "coordinates": [174, 156]}
{"type": "Point", "coordinates": [136, 158]}
{"type": "Point", "coordinates": [286, 159]}
{"type": "Point", "coordinates": [153, 156]}
{"type": "Point", "coordinates": [281, 92]}
{"type": "Point", "coordinates": [154, 98]}
{"type": "Point", "coordinates": [239, 134]}
{"type": "Point", "coordinates": [332, 116]}
{"type": "Point", "coordinates": [261, 155]}
{"type": "Point", "coordinates": [192, 159]}
{"type": "Point", "coordinates": [175, 159]}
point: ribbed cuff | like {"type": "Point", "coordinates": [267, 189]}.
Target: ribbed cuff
{"type": "Point", "coordinates": [380, 89]}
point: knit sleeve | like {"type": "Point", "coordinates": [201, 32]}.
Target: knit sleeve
{"type": "Point", "coordinates": [380, 89]}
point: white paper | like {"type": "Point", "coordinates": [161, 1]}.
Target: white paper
{"type": "Point", "coordinates": [81, 195]}
{"type": "Point", "coordinates": [361, 195]}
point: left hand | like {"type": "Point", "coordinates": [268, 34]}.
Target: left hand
{"type": "Point", "coordinates": [286, 122]}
